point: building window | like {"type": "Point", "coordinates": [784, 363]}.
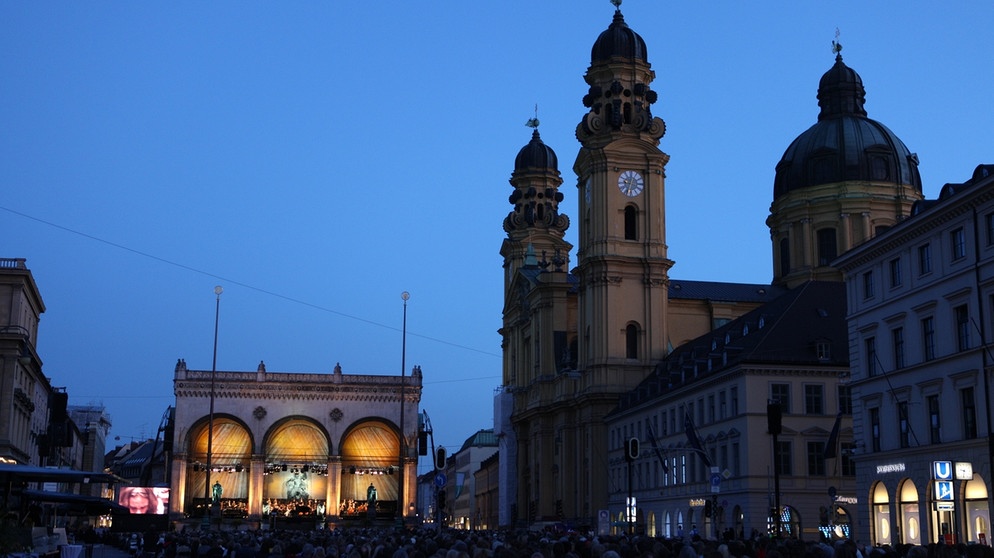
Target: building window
{"type": "Point", "coordinates": [870, 346]}
{"type": "Point", "coordinates": [736, 462]}
{"type": "Point", "coordinates": [816, 459]}
{"type": "Point", "coordinates": [962, 327]}
{"type": "Point", "coordinates": [827, 246]}
{"type": "Point", "coordinates": [933, 419]}
{"type": "Point", "coordinates": [924, 259]}
{"type": "Point", "coordinates": [969, 414]}
{"type": "Point", "coordinates": [902, 423]}
{"type": "Point", "coordinates": [784, 256]}
{"type": "Point", "coordinates": [958, 243]}
{"type": "Point", "coordinates": [897, 336]}
{"type": "Point", "coordinates": [928, 338]}
{"type": "Point", "coordinates": [868, 284]}
{"type": "Point", "coordinates": [845, 399]}
{"type": "Point", "coordinates": [722, 405]}
{"type": "Point", "coordinates": [814, 399]}
{"type": "Point", "coordinates": [733, 399]}
{"type": "Point", "coordinates": [989, 220]}
{"type": "Point", "coordinates": [875, 429]}
{"type": "Point", "coordinates": [631, 341]}
{"type": "Point", "coordinates": [823, 351]}
{"type": "Point", "coordinates": [711, 409]}
{"type": "Point", "coordinates": [784, 457]}
{"type": "Point", "coordinates": [780, 393]}
{"type": "Point", "coordinates": [631, 223]}
{"type": "Point", "coordinates": [895, 272]}
{"type": "Point", "coordinates": [848, 464]}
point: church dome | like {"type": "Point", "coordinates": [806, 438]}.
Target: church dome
{"type": "Point", "coordinates": [844, 144]}
{"type": "Point", "coordinates": [536, 155]}
{"type": "Point", "coordinates": [618, 41]}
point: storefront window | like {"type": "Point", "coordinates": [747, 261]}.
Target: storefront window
{"type": "Point", "coordinates": [881, 515]}
{"type": "Point", "coordinates": [910, 516]}
{"type": "Point", "coordinates": [977, 511]}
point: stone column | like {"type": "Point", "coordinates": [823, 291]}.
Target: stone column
{"type": "Point", "coordinates": [333, 492]}
{"type": "Point", "coordinates": [845, 234]}
{"type": "Point", "coordinates": [808, 245]}
{"type": "Point", "coordinates": [178, 494]}
{"type": "Point", "coordinates": [257, 480]}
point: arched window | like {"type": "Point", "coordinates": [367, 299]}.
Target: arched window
{"type": "Point", "coordinates": [631, 341]}
{"type": "Point", "coordinates": [631, 223]}
{"type": "Point", "coordinates": [828, 249]}
{"type": "Point", "coordinates": [784, 256]}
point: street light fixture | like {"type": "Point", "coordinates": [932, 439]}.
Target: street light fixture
{"type": "Point", "coordinates": [405, 296]}
{"type": "Point", "coordinates": [210, 417]}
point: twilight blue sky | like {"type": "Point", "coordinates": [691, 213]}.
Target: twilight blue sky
{"type": "Point", "coordinates": [318, 158]}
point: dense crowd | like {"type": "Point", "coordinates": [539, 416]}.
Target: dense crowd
{"type": "Point", "coordinates": [428, 543]}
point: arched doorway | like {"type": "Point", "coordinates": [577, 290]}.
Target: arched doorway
{"type": "Point", "coordinates": [231, 450]}
{"type": "Point", "coordinates": [978, 513]}
{"type": "Point", "coordinates": [911, 526]}
{"type": "Point", "coordinates": [296, 476]}
{"type": "Point", "coordinates": [370, 455]}
{"type": "Point", "coordinates": [880, 509]}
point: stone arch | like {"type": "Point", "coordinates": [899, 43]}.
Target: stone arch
{"type": "Point", "coordinates": [296, 451]}
{"type": "Point", "coordinates": [230, 460]}
{"type": "Point", "coordinates": [370, 453]}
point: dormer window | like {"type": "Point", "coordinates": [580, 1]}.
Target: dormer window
{"type": "Point", "coordinates": [823, 350]}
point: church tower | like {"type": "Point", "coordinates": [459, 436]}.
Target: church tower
{"type": "Point", "coordinates": [622, 264]}
{"type": "Point", "coordinates": [838, 183]}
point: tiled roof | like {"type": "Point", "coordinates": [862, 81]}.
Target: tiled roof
{"type": "Point", "coordinates": [728, 292]}
{"type": "Point", "coordinates": [805, 326]}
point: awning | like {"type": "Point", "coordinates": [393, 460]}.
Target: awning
{"type": "Point", "coordinates": [94, 504]}
{"type": "Point", "coordinates": [10, 472]}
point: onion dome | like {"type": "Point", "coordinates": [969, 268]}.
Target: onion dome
{"type": "Point", "coordinates": [536, 194]}
{"type": "Point", "coordinates": [536, 155]}
{"type": "Point", "coordinates": [618, 41]}
{"type": "Point", "coordinates": [844, 144]}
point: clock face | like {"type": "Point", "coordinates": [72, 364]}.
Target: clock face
{"type": "Point", "coordinates": [630, 183]}
{"type": "Point", "coordinates": [964, 470]}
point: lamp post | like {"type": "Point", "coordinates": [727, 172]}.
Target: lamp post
{"type": "Point", "coordinates": [403, 364]}
{"type": "Point", "coordinates": [210, 417]}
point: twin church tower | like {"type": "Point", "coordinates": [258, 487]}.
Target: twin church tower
{"type": "Point", "coordinates": [575, 339]}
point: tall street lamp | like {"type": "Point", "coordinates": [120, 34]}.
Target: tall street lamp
{"type": "Point", "coordinates": [403, 365]}
{"type": "Point", "coordinates": [210, 417]}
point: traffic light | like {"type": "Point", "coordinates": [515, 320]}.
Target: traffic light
{"type": "Point", "coordinates": [707, 508]}
{"type": "Point", "coordinates": [632, 449]}
{"type": "Point", "coordinates": [441, 499]}
{"type": "Point", "coordinates": [774, 418]}
{"type": "Point", "coordinates": [440, 457]}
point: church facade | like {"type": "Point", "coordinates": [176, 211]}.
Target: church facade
{"type": "Point", "coordinates": [579, 342]}
{"type": "Point", "coordinates": [272, 446]}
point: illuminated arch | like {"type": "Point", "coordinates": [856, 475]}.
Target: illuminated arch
{"type": "Point", "coordinates": [296, 450]}
{"type": "Point", "coordinates": [230, 459]}
{"type": "Point", "coordinates": [370, 452]}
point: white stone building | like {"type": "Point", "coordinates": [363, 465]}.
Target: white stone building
{"type": "Point", "coordinates": [921, 313]}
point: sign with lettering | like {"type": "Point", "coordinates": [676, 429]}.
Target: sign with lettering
{"type": "Point", "coordinates": [942, 470]}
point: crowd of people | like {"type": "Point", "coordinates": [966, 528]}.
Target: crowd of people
{"type": "Point", "coordinates": [429, 543]}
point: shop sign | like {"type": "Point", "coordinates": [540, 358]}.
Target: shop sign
{"type": "Point", "coordinates": [942, 471]}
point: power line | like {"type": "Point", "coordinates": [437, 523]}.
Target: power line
{"type": "Point", "coordinates": [242, 283]}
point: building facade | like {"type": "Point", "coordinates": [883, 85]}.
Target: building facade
{"type": "Point", "coordinates": [24, 389]}
{"type": "Point", "coordinates": [792, 351]}
{"type": "Point", "coordinates": [921, 313]}
{"type": "Point", "coordinates": [291, 445]}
